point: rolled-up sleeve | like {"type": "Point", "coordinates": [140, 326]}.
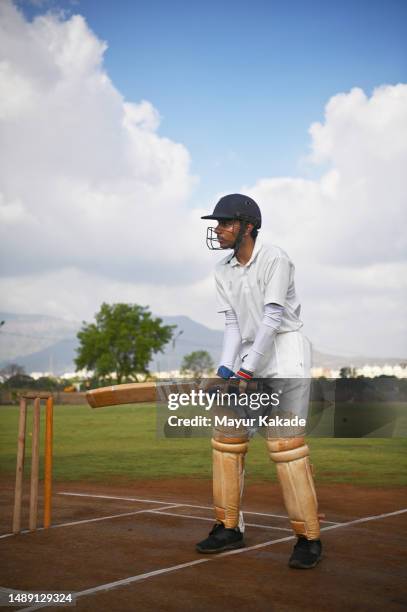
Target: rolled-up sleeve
{"type": "Point", "coordinates": [221, 298]}
{"type": "Point", "coordinates": [277, 281]}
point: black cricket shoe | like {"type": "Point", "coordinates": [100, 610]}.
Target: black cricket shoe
{"type": "Point", "coordinates": [220, 539]}
{"type": "Point", "coordinates": [306, 553]}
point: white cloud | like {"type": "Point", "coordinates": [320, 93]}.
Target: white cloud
{"type": "Point", "coordinates": [75, 294]}
{"type": "Point", "coordinates": [87, 181]}
{"type": "Point", "coordinates": [346, 231]}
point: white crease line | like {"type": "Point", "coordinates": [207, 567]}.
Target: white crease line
{"type": "Point", "coordinates": [166, 570]}
{"type": "Point", "coordinates": [365, 519]}
{"type": "Point", "coordinates": [286, 517]}
{"type": "Point", "coordinates": [244, 511]}
{"type": "Point", "coordinates": [8, 535]}
{"type": "Point", "coordinates": [154, 501]}
{"type": "Point", "coordinates": [211, 520]}
{"type": "Point", "coordinates": [105, 518]}
{"type": "Point", "coordinates": [151, 501]}
{"type": "Point", "coordinates": [125, 581]}
{"type": "Point", "coordinates": [92, 520]}
{"type": "Point", "coordinates": [268, 527]}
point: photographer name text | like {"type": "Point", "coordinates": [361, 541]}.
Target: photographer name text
{"type": "Point", "coordinates": [225, 421]}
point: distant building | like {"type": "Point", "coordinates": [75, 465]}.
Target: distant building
{"type": "Point", "coordinates": [371, 371]}
{"type": "Point", "coordinates": [37, 375]}
{"type": "Point", "coordinates": [326, 372]}
{"type": "Point", "coordinates": [398, 370]}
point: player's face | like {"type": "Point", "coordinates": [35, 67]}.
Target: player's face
{"type": "Point", "coordinates": [227, 231]}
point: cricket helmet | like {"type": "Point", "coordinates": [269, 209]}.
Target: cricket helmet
{"type": "Point", "coordinates": [237, 206]}
{"type": "Point", "coordinates": [234, 207]}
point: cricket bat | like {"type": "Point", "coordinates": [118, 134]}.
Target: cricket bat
{"type": "Point", "coordinates": [133, 393]}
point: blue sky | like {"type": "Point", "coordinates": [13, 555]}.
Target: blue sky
{"type": "Point", "coordinates": [239, 83]}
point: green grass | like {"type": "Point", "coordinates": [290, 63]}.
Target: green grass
{"type": "Point", "coordinates": [120, 443]}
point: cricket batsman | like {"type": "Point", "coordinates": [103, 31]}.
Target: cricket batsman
{"type": "Point", "coordinates": [262, 340]}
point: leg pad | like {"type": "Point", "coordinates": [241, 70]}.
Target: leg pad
{"type": "Point", "coordinates": [294, 471]}
{"type": "Point", "coordinates": [228, 473]}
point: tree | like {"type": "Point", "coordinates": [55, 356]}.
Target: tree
{"type": "Point", "coordinates": [20, 381]}
{"type": "Point", "coordinates": [347, 372]}
{"type": "Point", "coordinates": [48, 383]}
{"type": "Point", "coordinates": [197, 363]}
{"type": "Point", "coordinates": [121, 342]}
{"type": "Point", "coordinates": [12, 369]}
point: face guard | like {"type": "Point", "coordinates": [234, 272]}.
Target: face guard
{"type": "Point", "coordinates": [213, 243]}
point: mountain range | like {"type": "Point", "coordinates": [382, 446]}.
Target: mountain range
{"type": "Point", "coordinates": [42, 343]}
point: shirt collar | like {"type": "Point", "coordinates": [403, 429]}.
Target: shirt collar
{"type": "Point", "coordinates": [257, 247]}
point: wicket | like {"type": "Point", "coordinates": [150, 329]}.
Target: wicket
{"type": "Point", "coordinates": [35, 460]}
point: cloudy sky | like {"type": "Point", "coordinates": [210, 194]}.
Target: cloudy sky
{"type": "Point", "coordinates": [122, 122]}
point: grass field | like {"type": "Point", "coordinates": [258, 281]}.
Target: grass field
{"type": "Point", "coordinates": [120, 443]}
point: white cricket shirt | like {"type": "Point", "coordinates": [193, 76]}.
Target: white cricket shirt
{"type": "Point", "coordinates": [268, 277]}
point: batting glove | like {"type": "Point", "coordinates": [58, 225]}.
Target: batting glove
{"type": "Point", "coordinates": [225, 372]}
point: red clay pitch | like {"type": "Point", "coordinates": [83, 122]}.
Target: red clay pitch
{"type": "Point", "coordinates": [363, 567]}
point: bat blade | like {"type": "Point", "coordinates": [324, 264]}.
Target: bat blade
{"type": "Point", "coordinates": [135, 393]}
{"type": "Point", "coordinates": [114, 395]}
